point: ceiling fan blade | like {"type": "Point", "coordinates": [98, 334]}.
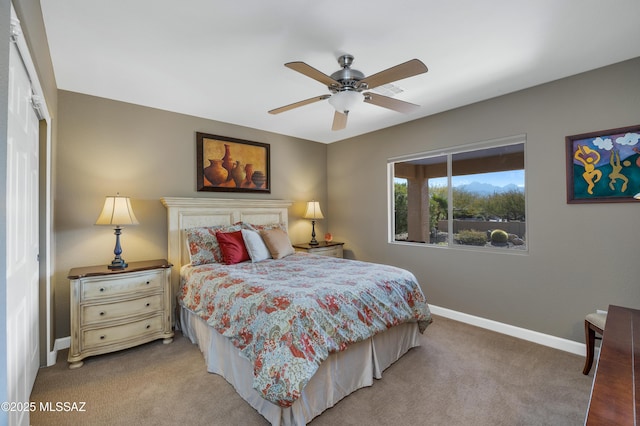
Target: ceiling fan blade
{"type": "Point", "coordinates": [339, 120]}
{"type": "Point", "coordinates": [405, 70]}
{"type": "Point", "coordinates": [390, 103]}
{"type": "Point", "coordinates": [310, 71]}
{"type": "Point", "coordinates": [299, 104]}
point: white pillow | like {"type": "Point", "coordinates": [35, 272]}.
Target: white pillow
{"type": "Point", "coordinates": [255, 245]}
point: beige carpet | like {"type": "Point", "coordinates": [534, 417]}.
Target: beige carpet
{"type": "Point", "coordinates": [461, 375]}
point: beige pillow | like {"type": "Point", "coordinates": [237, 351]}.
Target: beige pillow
{"type": "Point", "coordinates": [277, 242]}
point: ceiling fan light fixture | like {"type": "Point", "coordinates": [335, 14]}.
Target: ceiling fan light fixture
{"type": "Point", "coordinates": [345, 100]}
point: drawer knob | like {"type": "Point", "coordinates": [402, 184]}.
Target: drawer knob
{"type": "Point", "coordinates": [102, 313]}
{"type": "Point", "coordinates": [148, 282]}
{"type": "Point", "coordinates": [102, 289]}
{"type": "Point", "coordinates": [102, 337]}
{"type": "Point", "coordinates": [148, 304]}
{"type": "Point", "coordinates": [148, 326]}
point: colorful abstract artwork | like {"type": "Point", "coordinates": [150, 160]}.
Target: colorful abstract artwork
{"type": "Point", "coordinates": [603, 166]}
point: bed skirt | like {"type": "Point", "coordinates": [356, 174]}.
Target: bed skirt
{"type": "Point", "coordinates": [338, 376]}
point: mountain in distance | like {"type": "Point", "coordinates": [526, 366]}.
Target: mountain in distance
{"type": "Point", "coordinates": [489, 189]}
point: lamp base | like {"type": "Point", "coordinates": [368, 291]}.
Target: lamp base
{"type": "Point", "coordinates": [313, 241]}
{"type": "Point", "coordinates": [118, 264]}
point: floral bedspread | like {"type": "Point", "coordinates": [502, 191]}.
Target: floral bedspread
{"type": "Point", "coordinates": [286, 316]}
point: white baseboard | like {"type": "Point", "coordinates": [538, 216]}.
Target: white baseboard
{"type": "Point", "coordinates": [52, 357]}
{"type": "Point", "coordinates": [62, 343]}
{"type": "Point", "coordinates": [59, 344]}
{"type": "Point", "coordinates": [499, 327]}
{"type": "Point", "coordinates": [510, 330]}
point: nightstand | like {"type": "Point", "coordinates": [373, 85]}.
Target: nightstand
{"type": "Point", "coordinates": [332, 249]}
{"type": "Point", "coordinates": [113, 310]}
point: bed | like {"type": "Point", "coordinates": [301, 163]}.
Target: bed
{"type": "Point", "coordinates": [288, 371]}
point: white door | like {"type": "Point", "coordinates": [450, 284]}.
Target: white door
{"type": "Point", "coordinates": [23, 352]}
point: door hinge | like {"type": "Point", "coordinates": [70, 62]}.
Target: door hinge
{"type": "Point", "coordinates": [36, 103]}
{"type": "Point", "coordinates": [14, 30]}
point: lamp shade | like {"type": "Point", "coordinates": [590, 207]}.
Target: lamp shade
{"type": "Point", "coordinates": [313, 211]}
{"type": "Point", "coordinates": [117, 211]}
{"type": "Point", "coordinates": [345, 100]}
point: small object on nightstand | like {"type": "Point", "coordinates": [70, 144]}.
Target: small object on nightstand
{"type": "Point", "coordinates": [117, 309]}
{"type": "Point", "coordinates": [323, 248]}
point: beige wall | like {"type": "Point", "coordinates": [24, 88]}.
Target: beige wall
{"type": "Point", "coordinates": [107, 146]}
{"type": "Point", "coordinates": [581, 257]}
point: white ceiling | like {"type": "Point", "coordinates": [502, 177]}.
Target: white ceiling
{"type": "Point", "coordinates": [223, 60]}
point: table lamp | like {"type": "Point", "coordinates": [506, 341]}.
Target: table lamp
{"type": "Point", "coordinates": [314, 213]}
{"type": "Point", "coordinates": [117, 211]}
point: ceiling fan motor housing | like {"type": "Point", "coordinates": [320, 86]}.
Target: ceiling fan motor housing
{"type": "Point", "coordinates": [347, 77]}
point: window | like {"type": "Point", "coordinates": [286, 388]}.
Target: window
{"type": "Point", "coordinates": [471, 196]}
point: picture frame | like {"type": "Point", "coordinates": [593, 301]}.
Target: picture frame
{"type": "Point", "coordinates": [603, 166]}
{"type": "Point", "coordinates": [227, 164]}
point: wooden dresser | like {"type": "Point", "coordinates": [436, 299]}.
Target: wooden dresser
{"type": "Point", "coordinates": [117, 309]}
{"type": "Point", "coordinates": [615, 395]}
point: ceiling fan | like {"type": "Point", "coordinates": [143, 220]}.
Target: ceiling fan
{"type": "Point", "coordinates": [347, 87]}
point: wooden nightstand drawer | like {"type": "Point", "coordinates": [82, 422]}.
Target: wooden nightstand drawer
{"type": "Point", "coordinates": [335, 251]}
{"type": "Point", "coordinates": [114, 286]}
{"type": "Point", "coordinates": [332, 249]}
{"type": "Point", "coordinates": [93, 338]}
{"type": "Point", "coordinates": [111, 311]}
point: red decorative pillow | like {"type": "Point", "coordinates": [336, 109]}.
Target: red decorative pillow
{"type": "Point", "coordinates": [232, 247]}
{"type": "Point", "coordinates": [203, 244]}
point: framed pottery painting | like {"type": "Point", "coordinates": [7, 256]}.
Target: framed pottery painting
{"type": "Point", "coordinates": [604, 166]}
{"type": "Point", "coordinates": [232, 165]}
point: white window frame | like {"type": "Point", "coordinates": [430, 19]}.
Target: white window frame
{"type": "Point", "coordinates": [449, 152]}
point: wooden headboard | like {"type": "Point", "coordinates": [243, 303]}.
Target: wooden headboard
{"type": "Point", "coordinates": [185, 213]}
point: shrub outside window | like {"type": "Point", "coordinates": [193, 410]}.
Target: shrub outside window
{"type": "Point", "coordinates": [471, 196]}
